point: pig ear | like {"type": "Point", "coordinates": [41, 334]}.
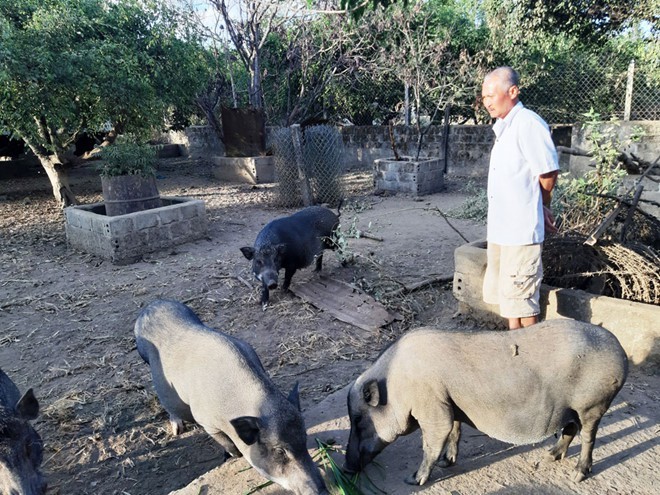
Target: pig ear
{"type": "Point", "coordinates": [27, 406]}
{"type": "Point", "coordinates": [247, 428]}
{"type": "Point", "coordinates": [371, 393]}
{"type": "Point", "coordinates": [248, 252]}
{"type": "Point", "coordinates": [293, 397]}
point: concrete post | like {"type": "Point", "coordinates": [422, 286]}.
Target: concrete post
{"type": "Point", "coordinates": [305, 188]}
{"type": "Point", "coordinates": [629, 90]}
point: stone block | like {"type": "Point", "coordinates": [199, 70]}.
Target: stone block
{"type": "Point", "coordinates": [169, 215]}
{"type": "Point", "coordinates": [425, 176]}
{"type": "Point", "coordinates": [123, 225]}
{"type": "Point", "coordinates": [125, 238]}
{"type": "Point", "coordinates": [180, 230]}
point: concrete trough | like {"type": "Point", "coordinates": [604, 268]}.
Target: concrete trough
{"type": "Point", "coordinates": [634, 324]}
{"type": "Point", "coordinates": [124, 239]}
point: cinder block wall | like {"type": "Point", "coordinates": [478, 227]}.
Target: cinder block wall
{"type": "Point", "coordinates": [468, 150]}
{"type": "Point", "coordinates": [646, 149]}
{"type": "Point", "coordinates": [197, 142]}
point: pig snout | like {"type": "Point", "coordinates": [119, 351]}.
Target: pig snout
{"type": "Point", "coordinates": [354, 463]}
{"type": "Point", "coordinates": [360, 451]}
{"type": "Point", "coordinates": [313, 486]}
{"type": "Point", "coordinates": [268, 278]}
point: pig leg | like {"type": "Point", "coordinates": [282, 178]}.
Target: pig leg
{"type": "Point", "coordinates": [169, 398]}
{"type": "Point", "coordinates": [226, 443]}
{"type": "Point", "coordinates": [288, 275]}
{"type": "Point", "coordinates": [319, 263]}
{"type": "Point", "coordinates": [559, 450]}
{"type": "Point", "coordinates": [176, 424]}
{"type": "Point", "coordinates": [434, 437]}
{"type": "Point", "coordinates": [590, 422]}
{"type": "Point", "coordinates": [451, 453]}
{"type": "Point", "coordinates": [264, 296]}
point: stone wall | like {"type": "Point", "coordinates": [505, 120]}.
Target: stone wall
{"type": "Point", "coordinates": [197, 142]}
{"type": "Point", "coordinates": [646, 149]}
{"type": "Point", "coordinates": [468, 150]}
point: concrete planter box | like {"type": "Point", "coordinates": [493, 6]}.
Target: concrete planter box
{"type": "Point", "coordinates": [124, 239]}
{"type": "Point", "coordinates": [251, 169]}
{"type": "Point", "coordinates": [417, 177]}
{"type": "Point", "coordinates": [634, 324]}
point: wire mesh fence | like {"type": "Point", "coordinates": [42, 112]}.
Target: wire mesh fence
{"type": "Point", "coordinates": [561, 94]}
{"type": "Point", "coordinates": [565, 93]}
{"type": "Point", "coordinates": [308, 165]}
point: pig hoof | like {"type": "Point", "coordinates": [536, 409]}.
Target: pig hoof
{"type": "Point", "coordinates": [264, 306]}
{"type": "Point", "coordinates": [579, 476]}
{"type": "Point", "coordinates": [446, 462]}
{"type": "Point", "coordinates": [177, 426]}
{"type": "Point", "coordinates": [413, 480]}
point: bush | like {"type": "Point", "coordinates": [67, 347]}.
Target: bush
{"type": "Point", "coordinates": [128, 157]}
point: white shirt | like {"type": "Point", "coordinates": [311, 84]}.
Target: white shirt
{"type": "Point", "coordinates": [523, 151]}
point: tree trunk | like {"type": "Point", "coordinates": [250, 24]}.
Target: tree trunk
{"type": "Point", "coordinates": [58, 179]}
{"type": "Point", "coordinates": [256, 96]}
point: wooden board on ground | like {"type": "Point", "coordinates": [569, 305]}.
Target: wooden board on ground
{"type": "Point", "coordinates": [345, 302]}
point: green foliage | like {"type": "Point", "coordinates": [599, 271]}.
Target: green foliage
{"type": "Point", "coordinates": [590, 21]}
{"type": "Point", "coordinates": [572, 55]}
{"type": "Point", "coordinates": [344, 484]}
{"type": "Point", "coordinates": [357, 8]}
{"type": "Point", "coordinates": [128, 157]}
{"type": "Point", "coordinates": [579, 201]}
{"type": "Point", "coordinates": [71, 65]}
{"type": "Point", "coordinates": [340, 238]}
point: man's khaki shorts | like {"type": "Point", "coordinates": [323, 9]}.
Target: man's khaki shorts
{"type": "Point", "coordinates": [513, 279]}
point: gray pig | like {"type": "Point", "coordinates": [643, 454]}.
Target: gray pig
{"type": "Point", "coordinates": [291, 243]}
{"type": "Point", "coordinates": [205, 376]}
{"type": "Point", "coordinates": [21, 450]}
{"type": "Point", "coordinates": [519, 387]}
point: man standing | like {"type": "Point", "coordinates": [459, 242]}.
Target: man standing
{"type": "Point", "coordinates": [523, 170]}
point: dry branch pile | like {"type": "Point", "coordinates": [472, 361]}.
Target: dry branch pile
{"type": "Point", "coordinates": [628, 269]}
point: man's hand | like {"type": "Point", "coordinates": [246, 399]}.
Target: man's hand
{"type": "Point", "coordinates": [549, 220]}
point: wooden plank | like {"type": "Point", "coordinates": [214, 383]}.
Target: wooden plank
{"type": "Point", "coordinates": [344, 302]}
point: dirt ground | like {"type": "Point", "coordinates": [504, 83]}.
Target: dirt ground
{"type": "Point", "coordinates": [66, 326]}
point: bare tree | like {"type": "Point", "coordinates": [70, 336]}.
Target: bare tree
{"type": "Point", "coordinates": [249, 23]}
{"type": "Point", "coordinates": [323, 50]}
{"type": "Point", "coordinates": [415, 49]}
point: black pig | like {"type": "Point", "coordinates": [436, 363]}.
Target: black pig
{"type": "Point", "coordinates": [291, 243]}
{"type": "Point", "coordinates": [21, 450]}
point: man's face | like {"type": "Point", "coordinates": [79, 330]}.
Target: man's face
{"type": "Point", "coordinates": [498, 100]}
